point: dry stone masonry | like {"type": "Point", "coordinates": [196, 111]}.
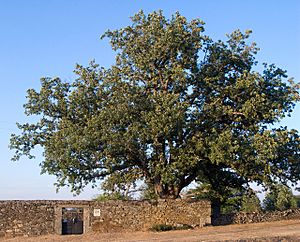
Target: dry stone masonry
{"type": "Point", "coordinates": [28, 218]}
{"type": "Point", "coordinates": [136, 215]}
{"type": "Point", "coordinates": [247, 218]}
{"type": "Point", "coordinates": [33, 218]}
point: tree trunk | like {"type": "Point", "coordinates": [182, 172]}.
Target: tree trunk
{"type": "Point", "coordinates": [167, 191]}
{"type": "Point", "coordinates": [216, 207]}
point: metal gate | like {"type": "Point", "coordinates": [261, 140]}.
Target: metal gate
{"type": "Point", "coordinates": [72, 221]}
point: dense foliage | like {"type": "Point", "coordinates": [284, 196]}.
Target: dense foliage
{"type": "Point", "coordinates": [108, 196]}
{"type": "Point", "coordinates": [175, 107]}
{"type": "Point", "coordinates": [250, 203]}
{"type": "Point", "coordinates": [279, 197]}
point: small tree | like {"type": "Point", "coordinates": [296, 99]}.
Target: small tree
{"type": "Point", "coordinates": [250, 203]}
{"type": "Point", "coordinates": [279, 197]}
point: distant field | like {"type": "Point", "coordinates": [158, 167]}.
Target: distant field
{"type": "Point", "coordinates": [288, 230]}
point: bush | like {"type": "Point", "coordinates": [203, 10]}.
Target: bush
{"type": "Point", "coordinates": [161, 227]}
{"type": "Point", "coordinates": [165, 227]}
{"type": "Point", "coordinates": [183, 227]}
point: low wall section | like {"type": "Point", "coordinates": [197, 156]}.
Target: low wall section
{"type": "Point", "coordinates": [136, 215]}
{"type": "Point", "coordinates": [32, 218]}
{"type": "Point", "coordinates": [26, 218]}
{"type": "Point", "coordinates": [247, 218]}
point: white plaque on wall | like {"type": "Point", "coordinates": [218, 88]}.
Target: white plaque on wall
{"type": "Point", "coordinates": [97, 212]}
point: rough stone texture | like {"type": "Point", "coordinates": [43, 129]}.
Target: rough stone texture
{"type": "Point", "coordinates": [246, 218]}
{"type": "Point", "coordinates": [32, 218]}
{"type": "Point", "coordinates": [26, 218]}
{"type": "Point", "coordinates": [142, 215]}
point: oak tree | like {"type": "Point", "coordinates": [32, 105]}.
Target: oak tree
{"type": "Point", "coordinates": [174, 107]}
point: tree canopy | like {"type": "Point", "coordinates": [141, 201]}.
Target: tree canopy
{"type": "Point", "coordinates": [175, 107]}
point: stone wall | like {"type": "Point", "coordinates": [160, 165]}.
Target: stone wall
{"type": "Point", "coordinates": [137, 215]}
{"type": "Point", "coordinates": [246, 218]}
{"type": "Point", "coordinates": [26, 218]}
{"type": "Point", "coordinates": [32, 218]}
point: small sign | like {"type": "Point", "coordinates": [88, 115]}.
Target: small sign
{"type": "Point", "coordinates": [97, 212]}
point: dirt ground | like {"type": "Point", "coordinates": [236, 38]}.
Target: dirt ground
{"type": "Point", "coordinates": [272, 231]}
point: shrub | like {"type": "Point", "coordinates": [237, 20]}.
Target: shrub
{"type": "Point", "coordinates": [161, 227]}
{"type": "Point", "coordinates": [165, 227]}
